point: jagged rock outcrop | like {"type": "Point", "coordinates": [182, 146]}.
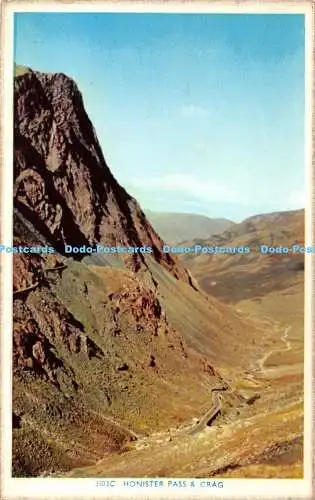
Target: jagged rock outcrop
{"type": "Point", "coordinates": [62, 182]}
{"type": "Point", "coordinates": [91, 346]}
{"type": "Point", "coordinates": [98, 352]}
{"type": "Point", "coordinates": [94, 358]}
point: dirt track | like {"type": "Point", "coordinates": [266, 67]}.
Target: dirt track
{"type": "Point", "coordinates": [288, 347]}
{"type": "Point", "coordinates": [26, 289]}
{"type": "Point", "coordinates": [35, 285]}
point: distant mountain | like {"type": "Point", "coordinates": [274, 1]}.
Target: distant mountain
{"type": "Point", "coordinates": [232, 278]}
{"type": "Point", "coordinates": [176, 227]}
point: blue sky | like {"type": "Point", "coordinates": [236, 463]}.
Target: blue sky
{"type": "Point", "coordinates": [195, 113]}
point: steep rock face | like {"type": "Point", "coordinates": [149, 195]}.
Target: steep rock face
{"type": "Point", "coordinates": [36, 325]}
{"type": "Point", "coordinates": [94, 356]}
{"type": "Point", "coordinates": [62, 183]}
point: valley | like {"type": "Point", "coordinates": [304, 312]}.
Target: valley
{"type": "Point", "coordinates": [141, 365]}
{"type": "Point", "coordinates": [223, 440]}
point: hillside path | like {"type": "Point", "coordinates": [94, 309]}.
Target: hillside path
{"type": "Point", "coordinates": [288, 347]}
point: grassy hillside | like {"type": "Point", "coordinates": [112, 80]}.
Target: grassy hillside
{"type": "Point", "coordinates": [256, 341]}
{"type": "Point", "coordinates": [237, 277]}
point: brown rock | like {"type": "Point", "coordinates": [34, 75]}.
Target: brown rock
{"type": "Point", "coordinates": [62, 181]}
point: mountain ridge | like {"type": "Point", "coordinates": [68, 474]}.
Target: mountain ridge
{"type": "Point", "coordinates": [221, 277]}
{"type": "Point", "coordinates": [175, 227]}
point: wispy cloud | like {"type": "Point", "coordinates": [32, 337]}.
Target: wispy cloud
{"type": "Point", "coordinates": [191, 110]}
{"type": "Point", "coordinates": [187, 185]}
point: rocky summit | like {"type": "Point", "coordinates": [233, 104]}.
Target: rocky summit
{"type": "Point", "coordinates": [62, 182]}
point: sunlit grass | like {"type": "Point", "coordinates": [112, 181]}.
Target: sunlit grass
{"type": "Point", "coordinates": [20, 70]}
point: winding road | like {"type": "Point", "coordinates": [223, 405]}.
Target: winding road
{"type": "Point", "coordinates": [216, 406]}
{"type": "Point", "coordinates": [288, 347]}
{"type": "Point", "coordinates": [210, 414]}
{"type": "Point", "coordinates": [285, 369]}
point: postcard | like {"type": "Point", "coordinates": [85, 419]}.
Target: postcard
{"type": "Point", "coordinates": [156, 250]}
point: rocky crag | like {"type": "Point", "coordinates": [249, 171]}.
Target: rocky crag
{"type": "Point", "coordinates": [94, 357]}
{"type": "Point", "coordinates": [104, 351]}
{"type": "Point", "coordinates": [62, 182]}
